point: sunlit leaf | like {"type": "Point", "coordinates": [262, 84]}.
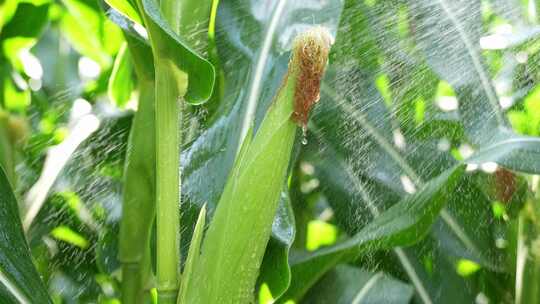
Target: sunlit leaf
{"type": "Point", "coordinates": [121, 83]}
{"type": "Point", "coordinates": [16, 94]}
{"type": "Point", "coordinates": [88, 32]}
{"type": "Point", "coordinates": [66, 234]}
{"type": "Point", "coordinates": [7, 9]}
{"type": "Point", "coordinates": [23, 30]}
{"type": "Point", "coordinates": [126, 8]}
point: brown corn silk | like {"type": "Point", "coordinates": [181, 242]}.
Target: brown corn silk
{"type": "Point", "coordinates": [506, 184]}
{"type": "Point", "coordinates": [310, 56]}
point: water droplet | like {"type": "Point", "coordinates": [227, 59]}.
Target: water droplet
{"type": "Point", "coordinates": [304, 135]}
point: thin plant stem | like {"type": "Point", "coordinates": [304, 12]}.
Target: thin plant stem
{"type": "Point", "coordinates": [139, 185]}
{"type": "Point", "coordinates": [170, 89]}
{"type": "Point", "coordinates": [169, 94]}
{"type": "Point", "coordinates": [168, 119]}
{"type": "Point", "coordinates": [138, 205]}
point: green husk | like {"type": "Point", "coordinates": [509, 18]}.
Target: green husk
{"type": "Point", "coordinates": [235, 242]}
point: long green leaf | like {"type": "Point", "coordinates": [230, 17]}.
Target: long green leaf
{"type": "Point", "coordinates": [80, 24]}
{"type": "Point", "coordinates": [342, 185]}
{"type": "Point", "coordinates": [24, 29]}
{"type": "Point", "coordinates": [393, 160]}
{"type": "Point", "coordinates": [369, 132]}
{"type": "Point", "coordinates": [126, 8]}
{"type": "Point", "coordinates": [18, 275]}
{"type": "Point", "coordinates": [402, 225]}
{"type": "Point", "coordinates": [516, 152]}
{"type": "Point", "coordinates": [120, 83]}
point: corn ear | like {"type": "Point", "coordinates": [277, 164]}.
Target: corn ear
{"type": "Point", "coordinates": [236, 239]}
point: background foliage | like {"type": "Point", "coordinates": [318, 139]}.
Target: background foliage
{"type": "Point", "coordinates": [428, 112]}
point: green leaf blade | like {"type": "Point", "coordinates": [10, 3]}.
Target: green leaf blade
{"type": "Point", "coordinates": [120, 83]}
{"type": "Point", "coordinates": [17, 273]}
{"type": "Point", "coordinates": [402, 225]}
{"type": "Point", "coordinates": [516, 152]}
{"type": "Point", "coordinates": [167, 44]}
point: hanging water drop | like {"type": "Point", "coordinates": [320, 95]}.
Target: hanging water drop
{"type": "Point", "coordinates": [304, 135]}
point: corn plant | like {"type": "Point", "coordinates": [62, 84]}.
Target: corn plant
{"type": "Point", "coordinates": [180, 151]}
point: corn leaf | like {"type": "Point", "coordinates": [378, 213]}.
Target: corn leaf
{"type": "Point", "coordinates": [19, 278]}
{"type": "Point", "coordinates": [121, 83]}
{"type": "Point", "coordinates": [171, 46]}
{"type": "Point", "coordinates": [401, 225]}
